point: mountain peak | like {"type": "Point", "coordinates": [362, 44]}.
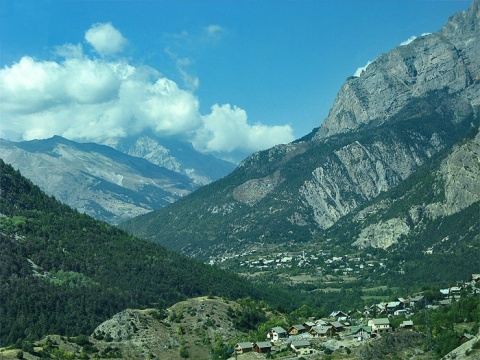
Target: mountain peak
{"type": "Point", "coordinates": [448, 59]}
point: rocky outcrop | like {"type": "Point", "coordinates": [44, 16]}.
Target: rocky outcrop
{"type": "Point", "coordinates": [460, 173]}
{"type": "Point", "coordinates": [359, 172]}
{"type": "Point", "coordinates": [252, 191]}
{"type": "Point", "coordinates": [457, 181]}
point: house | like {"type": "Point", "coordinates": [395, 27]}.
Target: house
{"type": "Point", "coordinates": [361, 331]}
{"type": "Point", "coordinates": [296, 329]}
{"type": "Point", "coordinates": [455, 290]}
{"type": "Point", "coordinates": [321, 331]}
{"type": "Point", "coordinates": [321, 322]}
{"type": "Point", "coordinates": [407, 325]}
{"type": "Point", "coordinates": [277, 333]}
{"type": "Point", "coordinates": [416, 300]}
{"type": "Point", "coordinates": [301, 347]}
{"type": "Point", "coordinates": [404, 301]}
{"type": "Point", "coordinates": [380, 325]}
{"type": "Point", "coordinates": [243, 347]}
{"type": "Point", "coordinates": [308, 325]}
{"type": "Point", "coordinates": [337, 326]}
{"type": "Point", "coordinates": [465, 338]}
{"type": "Point", "coordinates": [262, 347]}
{"type": "Point", "coordinates": [401, 312]}
{"type": "Point", "coordinates": [393, 305]}
{"type": "Point", "coordinates": [445, 292]}
{"type": "Point", "coordinates": [336, 314]}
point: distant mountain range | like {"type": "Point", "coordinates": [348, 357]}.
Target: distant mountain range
{"type": "Point", "coordinates": [410, 119]}
{"type": "Point", "coordinates": [114, 185]}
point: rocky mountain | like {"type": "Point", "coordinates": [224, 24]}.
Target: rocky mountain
{"type": "Point", "coordinates": [174, 155]}
{"type": "Point", "coordinates": [111, 185]}
{"type": "Point", "coordinates": [408, 110]}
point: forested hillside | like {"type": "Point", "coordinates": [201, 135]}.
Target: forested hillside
{"type": "Point", "coordinates": [62, 272]}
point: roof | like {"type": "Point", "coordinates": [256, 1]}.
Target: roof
{"type": "Point", "coordinates": [336, 324]}
{"type": "Point", "coordinates": [321, 329]}
{"type": "Point", "coordinates": [300, 343]}
{"type": "Point", "coordinates": [381, 321]}
{"type": "Point", "coordinates": [279, 329]}
{"type": "Point", "coordinates": [244, 345]}
{"type": "Point", "coordinates": [298, 327]}
{"type": "Point", "coordinates": [393, 304]}
{"type": "Point", "coordinates": [263, 344]}
{"type": "Point", "coordinates": [356, 329]}
{"type": "Point", "coordinates": [407, 323]}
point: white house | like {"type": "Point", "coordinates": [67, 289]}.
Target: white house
{"type": "Point", "coordinates": [379, 325]}
{"type": "Point", "coordinates": [277, 333]}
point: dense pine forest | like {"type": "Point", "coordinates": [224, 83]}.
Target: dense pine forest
{"type": "Point", "coordinates": [62, 272]}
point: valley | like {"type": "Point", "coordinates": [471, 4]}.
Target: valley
{"type": "Point", "coordinates": [360, 240]}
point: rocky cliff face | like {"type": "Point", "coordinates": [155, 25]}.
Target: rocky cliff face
{"type": "Point", "coordinates": [449, 59]}
{"type": "Point", "coordinates": [456, 183]}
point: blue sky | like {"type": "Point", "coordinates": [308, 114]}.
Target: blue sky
{"type": "Point", "coordinates": [226, 75]}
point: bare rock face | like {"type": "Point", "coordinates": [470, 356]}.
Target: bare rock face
{"type": "Point", "coordinates": [255, 190]}
{"type": "Point", "coordinates": [459, 175]}
{"type": "Point", "coordinates": [359, 172]}
{"type": "Point", "coordinates": [449, 59]}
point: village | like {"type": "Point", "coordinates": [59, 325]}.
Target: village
{"type": "Point", "coordinates": [321, 260]}
{"type": "Point", "coordinates": [344, 330]}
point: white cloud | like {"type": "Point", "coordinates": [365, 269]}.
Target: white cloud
{"type": "Point", "coordinates": [88, 99]}
{"type": "Point", "coordinates": [408, 41]}
{"type": "Point", "coordinates": [226, 129]}
{"type": "Point", "coordinates": [105, 39]}
{"type": "Point", "coordinates": [361, 69]}
{"type": "Point", "coordinates": [411, 38]}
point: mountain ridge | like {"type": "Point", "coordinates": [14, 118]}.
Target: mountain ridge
{"type": "Point", "coordinates": [293, 193]}
{"type": "Point", "coordinates": [106, 183]}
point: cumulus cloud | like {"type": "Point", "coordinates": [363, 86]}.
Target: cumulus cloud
{"type": "Point", "coordinates": [90, 99]}
{"type": "Point", "coordinates": [226, 128]}
{"type": "Point", "coordinates": [105, 39]}
{"type": "Point", "coordinates": [411, 38]}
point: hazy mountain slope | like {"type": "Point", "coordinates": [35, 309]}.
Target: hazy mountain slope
{"type": "Point", "coordinates": [174, 155]}
{"type": "Point", "coordinates": [380, 131]}
{"type": "Point", "coordinates": [96, 179]}
{"type": "Point", "coordinates": [62, 272]}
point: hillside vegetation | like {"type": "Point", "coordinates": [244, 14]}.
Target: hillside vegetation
{"type": "Point", "coordinates": [62, 272]}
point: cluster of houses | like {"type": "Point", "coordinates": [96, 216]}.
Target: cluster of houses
{"type": "Point", "coordinates": [343, 265]}
{"type": "Point", "coordinates": [301, 338]}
